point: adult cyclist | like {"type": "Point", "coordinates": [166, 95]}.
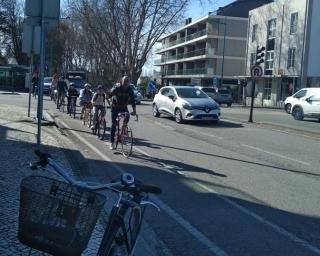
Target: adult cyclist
{"type": "Point", "coordinates": [62, 88]}
{"type": "Point", "coordinates": [121, 96]}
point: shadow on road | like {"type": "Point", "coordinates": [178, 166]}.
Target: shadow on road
{"type": "Point", "coordinates": [214, 214]}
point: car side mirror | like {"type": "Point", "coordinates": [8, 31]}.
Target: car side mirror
{"type": "Point", "coordinates": [308, 100]}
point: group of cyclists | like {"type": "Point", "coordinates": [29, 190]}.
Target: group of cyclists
{"type": "Point", "coordinates": [118, 98]}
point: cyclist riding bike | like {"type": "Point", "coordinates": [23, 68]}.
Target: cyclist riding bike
{"type": "Point", "coordinates": [98, 102]}
{"type": "Point", "coordinates": [62, 88]}
{"type": "Point", "coordinates": [72, 92]}
{"type": "Point", "coordinates": [121, 96]}
{"type": "Point", "coordinates": [85, 98]}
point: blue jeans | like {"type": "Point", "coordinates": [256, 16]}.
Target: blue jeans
{"type": "Point", "coordinates": [114, 116]}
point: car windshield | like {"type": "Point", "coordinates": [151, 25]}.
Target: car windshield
{"type": "Point", "coordinates": [208, 89]}
{"type": "Point", "coordinates": [78, 82]}
{"type": "Point", "coordinates": [48, 79]}
{"type": "Point", "coordinates": [190, 93]}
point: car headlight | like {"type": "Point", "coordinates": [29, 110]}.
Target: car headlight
{"type": "Point", "coordinates": [186, 106]}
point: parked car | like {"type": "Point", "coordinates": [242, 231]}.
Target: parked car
{"type": "Point", "coordinates": [221, 96]}
{"type": "Point", "coordinates": [47, 85]}
{"type": "Point", "coordinates": [310, 107]}
{"type": "Point", "coordinates": [299, 96]}
{"type": "Point", "coordinates": [137, 94]}
{"type": "Point", "coordinates": [185, 103]}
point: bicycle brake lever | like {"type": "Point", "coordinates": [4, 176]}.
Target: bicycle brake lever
{"type": "Point", "coordinates": [150, 203]}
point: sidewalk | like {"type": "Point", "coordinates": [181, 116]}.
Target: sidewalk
{"type": "Point", "coordinates": [17, 142]}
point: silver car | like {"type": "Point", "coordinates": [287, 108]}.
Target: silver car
{"type": "Point", "coordinates": [185, 103]}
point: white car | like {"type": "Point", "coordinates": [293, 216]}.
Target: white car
{"type": "Point", "coordinates": [310, 107]}
{"type": "Point", "coordinates": [185, 103]}
{"type": "Point", "coordinates": [299, 96]}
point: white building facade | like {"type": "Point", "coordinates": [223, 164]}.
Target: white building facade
{"type": "Point", "coordinates": [290, 32]}
{"type": "Point", "coordinates": [205, 52]}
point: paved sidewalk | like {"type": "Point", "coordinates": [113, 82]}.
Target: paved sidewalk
{"type": "Point", "coordinates": [17, 142]}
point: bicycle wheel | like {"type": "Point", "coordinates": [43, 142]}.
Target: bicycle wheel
{"type": "Point", "coordinates": [121, 235]}
{"type": "Point", "coordinates": [102, 128]}
{"type": "Point", "coordinates": [126, 141]}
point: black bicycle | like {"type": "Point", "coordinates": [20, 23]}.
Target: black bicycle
{"type": "Point", "coordinates": [72, 106]}
{"type": "Point", "coordinates": [58, 217]}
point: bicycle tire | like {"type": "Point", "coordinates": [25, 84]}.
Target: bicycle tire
{"type": "Point", "coordinates": [113, 243]}
{"type": "Point", "coordinates": [126, 141]}
{"type": "Point", "coordinates": [102, 129]}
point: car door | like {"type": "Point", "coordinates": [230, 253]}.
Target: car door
{"type": "Point", "coordinates": [170, 101]}
{"type": "Point", "coordinates": [312, 106]}
{"type": "Point", "coordinates": [161, 99]}
{"type": "Point", "coordinates": [299, 96]}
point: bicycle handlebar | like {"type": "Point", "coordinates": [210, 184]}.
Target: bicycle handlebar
{"type": "Point", "coordinates": [127, 181]}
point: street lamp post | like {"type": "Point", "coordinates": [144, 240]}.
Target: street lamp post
{"type": "Point", "coordinates": [224, 46]}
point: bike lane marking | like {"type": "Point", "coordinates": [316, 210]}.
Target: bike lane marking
{"type": "Point", "coordinates": [248, 212]}
{"type": "Point", "coordinates": [275, 154]}
{"type": "Point", "coordinates": [172, 213]}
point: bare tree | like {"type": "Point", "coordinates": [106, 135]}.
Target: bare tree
{"type": "Point", "coordinates": [11, 27]}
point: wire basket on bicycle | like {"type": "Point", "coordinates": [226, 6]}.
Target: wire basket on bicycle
{"type": "Point", "coordinates": [56, 217]}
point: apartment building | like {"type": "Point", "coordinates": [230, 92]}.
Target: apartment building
{"type": "Point", "coordinates": [205, 52]}
{"type": "Point", "coordinates": [290, 32]}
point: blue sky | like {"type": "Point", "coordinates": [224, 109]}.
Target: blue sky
{"type": "Point", "coordinates": [196, 11]}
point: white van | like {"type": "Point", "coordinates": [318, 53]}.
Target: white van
{"type": "Point", "coordinates": [299, 96]}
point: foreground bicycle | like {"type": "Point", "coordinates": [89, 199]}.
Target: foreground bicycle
{"type": "Point", "coordinates": [124, 134]}
{"type": "Point", "coordinates": [58, 217]}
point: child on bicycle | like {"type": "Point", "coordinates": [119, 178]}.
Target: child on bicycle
{"type": "Point", "coordinates": [72, 92]}
{"type": "Point", "coordinates": [85, 98]}
{"type": "Point", "coordinates": [98, 102]}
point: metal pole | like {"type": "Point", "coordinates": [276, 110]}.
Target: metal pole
{"type": "Point", "coordinates": [30, 83]}
{"type": "Point", "coordinates": [42, 60]}
{"type": "Point", "coordinates": [252, 100]}
{"type": "Point", "coordinates": [224, 48]}
{"type": "Point", "coordinates": [31, 71]}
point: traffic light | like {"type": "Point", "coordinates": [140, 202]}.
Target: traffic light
{"type": "Point", "coordinates": [260, 55]}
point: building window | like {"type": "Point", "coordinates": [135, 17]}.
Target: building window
{"type": "Point", "coordinates": [291, 57]}
{"type": "Point", "coordinates": [252, 59]}
{"type": "Point", "coordinates": [267, 89]}
{"type": "Point", "coordinates": [272, 28]}
{"type": "Point", "coordinates": [293, 23]}
{"type": "Point", "coordinates": [269, 60]}
{"type": "Point", "coordinates": [254, 32]}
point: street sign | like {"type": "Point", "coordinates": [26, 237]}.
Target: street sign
{"type": "Point", "coordinates": [256, 71]}
{"type": "Point", "coordinates": [31, 39]}
{"type": "Point", "coordinates": [280, 71]}
{"type": "Point", "coordinates": [51, 9]}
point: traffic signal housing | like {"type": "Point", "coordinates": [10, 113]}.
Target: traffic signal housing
{"type": "Point", "coordinates": [260, 55]}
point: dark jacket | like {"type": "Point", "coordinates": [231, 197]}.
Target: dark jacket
{"type": "Point", "coordinates": [123, 95]}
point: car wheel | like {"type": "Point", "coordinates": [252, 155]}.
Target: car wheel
{"type": "Point", "coordinates": [178, 116]}
{"type": "Point", "coordinates": [288, 108]}
{"type": "Point", "coordinates": [297, 113]}
{"type": "Point", "coordinates": [229, 104]}
{"type": "Point", "coordinates": [155, 111]}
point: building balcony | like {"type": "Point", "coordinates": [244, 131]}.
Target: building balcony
{"type": "Point", "coordinates": [206, 52]}
{"type": "Point", "coordinates": [190, 72]}
{"type": "Point", "coordinates": [184, 39]}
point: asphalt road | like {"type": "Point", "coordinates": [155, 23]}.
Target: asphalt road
{"type": "Point", "coordinates": [229, 189]}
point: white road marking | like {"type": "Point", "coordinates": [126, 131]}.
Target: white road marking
{"type": "Point", "coordinates": [276, 228]}
{"type": "Point", "coordinates": [204, 134]}
{"type": "Point", "coordinates": [275, 154]}
{"type": "Point", "coordinates": [179, 219]}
